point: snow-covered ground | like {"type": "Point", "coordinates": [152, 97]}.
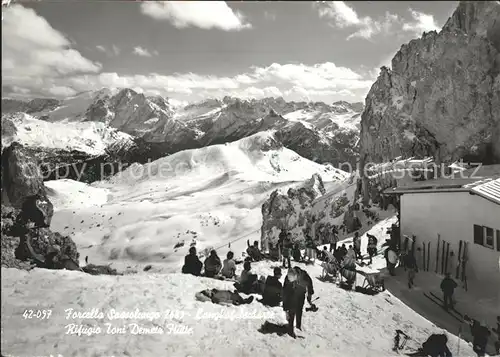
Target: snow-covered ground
{"type": "Point", "coordinates": [90, 137]}
{"type": "Point", "coordinates": [213, 195]}
{"type": "Point", "coordinates": [175, 324]}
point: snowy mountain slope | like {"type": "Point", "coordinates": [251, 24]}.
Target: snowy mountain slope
{"type": "Point", "coordinates": [331, 130]}
{"type": "Point", "coordinates": [88, 137]}
{"type": "Point", "coordinates": [213, 194]}
{"type": "Point", "coordinates": [174, 323]}
{"type": "Point", "coordinates": [340, 117]}
{"type": "Point", "coordinates": [74, 108]}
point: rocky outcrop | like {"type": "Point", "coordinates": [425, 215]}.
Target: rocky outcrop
{"type": "Point", "coordinates": [27, 242]}
{"type": "Point", "coordinates": [309, 210]}
{"type": "Point", "coordinates": [290, 211]}
{"type": "Point", "coordinates": [21, 178]}
{"type": "Point", "coordinates": [26, 216]}
{"type": "Point", "coordinates": [442, 96]}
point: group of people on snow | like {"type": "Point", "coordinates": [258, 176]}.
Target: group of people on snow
{"type": "Point", "coordinates": [292, 294]}
{"type": "Point", "coordinates": [298, 286]}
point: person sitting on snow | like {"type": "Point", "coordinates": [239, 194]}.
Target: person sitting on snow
{"type": "Point", "coordinates": [229, 266]}
{"type": "Point", "coordinates": [351, 253]}
{"type": "Point", "coordinates": [192, 264]}
{"type": "Point", "coordinates": [322, 254]}
{"type": "Point", "coordinates": [272, 289]}
{"type": "Point", "coordinates": [213, 265]}
{"type": "Point", "coordinates": [247, 283]}
{"type": "Point", "coordinates": [223, 297]}
{"type": "Point", "coordinates": [253, 251]}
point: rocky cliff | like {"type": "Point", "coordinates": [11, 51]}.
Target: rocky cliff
{"type": "Point", "coordinates": [26, 216]}
{"type": "Point", "coordinates": [311, 210]}
{"type": "Point", "coordinates": [442, 96]}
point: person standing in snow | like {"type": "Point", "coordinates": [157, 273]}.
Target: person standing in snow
{"type": "Point", "coordinates": [372, 246]}
{"type": "Point", "coordinates": [295, 253]}
{"type": "Point", "coordinates": [213, 265]}
{"type": "Point", "coordinates": [411, 265]}
{"type": "Point", "coordinates": [448, 286]}
{"type": "Point", "coordinates": [357, 245]}
{"type": "Point", "coordinates": [192, 264]}
{"type": "Point", "coordinates": [229, 266]}
{"type": "Point", "coordinates": [297, 284]}
{"type": "Point", "coordinates": [287, 247]}
{"type": "Point", "coordinates": [274, 252]}
{"type": "Point", "coordinates": [310, 249]}
{"type": "Point", "coordinates": [281, 239]}
{"type": "Point", "coordinates": [342, 252]}
{"type": "Point", "coordinates": [334, 237]}
{"type": "Point", "coordinates": [480, 335]}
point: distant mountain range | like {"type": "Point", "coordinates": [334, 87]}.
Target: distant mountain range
{"type": "Point", "coordinates": [153, 127]}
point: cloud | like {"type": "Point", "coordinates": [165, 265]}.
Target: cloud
{"type": "Point", "coordinates": [344, 16]}
{"type": "Point", "coordinates": [33, 51]}
{"type": "Point", "coordinates": [203, 14]}
{"type": "Point", "coordinates": [116, 50]}
{"type": "Point", "coordinates": [324, 82]}
{"type": "Point", "coordinates": [142, 52]}
{"type": "Point", "coordinates": [269, 16]}
{"type": "Point", "coordinates": [422, 23]}
{"type": "Point", "coordinates": [39, 61]}
{"type": "Point", "coordinates": [112, 51]}
{"type": "Point", "coordinates": [319, 76]}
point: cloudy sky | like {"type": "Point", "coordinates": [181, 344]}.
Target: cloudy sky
{"type": "Point", "coordinates": [188, 51]}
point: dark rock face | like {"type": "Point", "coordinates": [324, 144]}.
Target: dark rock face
{"type": "Point", "coordinates": [27, 213]}
{"type": "Point", "coordinates": [442, 96]}
{"type": "Point", "coordinates": [26, 244]}
{"type": "Point", "coordinates": [21, 176]}
{"type": "Point", "coordinates": [9, 242]}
